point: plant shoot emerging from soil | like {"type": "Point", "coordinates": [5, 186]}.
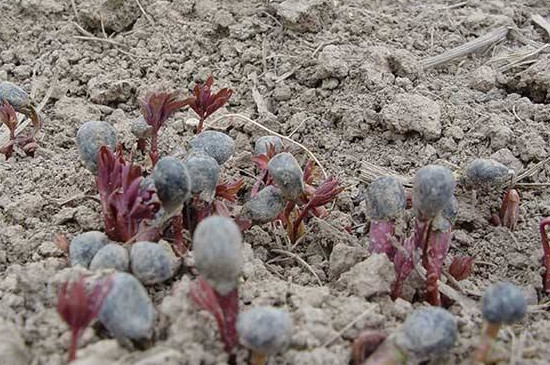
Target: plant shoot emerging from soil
{"type": "Point", "coordinates": [126, 205]}
{"type": "Point", "coordinates": [204, 103]}
{"type": "Point", "coordinates": [426, 333]}
{"type": "Point", "coordinates": [461, 267]}
{"type": "Point", "coordinates": [25, 142]}
{"type": "Point", "coordinates": [265, 331]}
{"type": "Point", "coordinates": [218, 256]}
{"type": "Point", "coordinates": [78, 307]}
{"type": "Point", "coordinates": [156, 108]}
{"type": "Point", "coordinates": [502, 303]}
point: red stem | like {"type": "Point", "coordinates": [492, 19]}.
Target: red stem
{"type": "Point", "coordinates": [74, 344]}
{"type": "Point", "coordinates": [257, 184]}
{"type": "Point", "coordinates": [200, 125]}
{"type": "Point", "coordinates": [380, 236]}
{"type": "Point", "coordinates": [403, 263]}
{"type": "Point", "coordinates": [154, 147]}
{"type": "Point", "coordinates": [229, 303]}
{"type": "Point", "coordinates": [546, 253]}
{"type": "Point", "coordinates": [177, 232]}
{"type": "Point", "coordinates": [142, 145]}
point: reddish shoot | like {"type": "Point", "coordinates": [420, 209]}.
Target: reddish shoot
{"type": "Point", "coordinates": [156, 108]}
{"type": "Point", "coordinates": [78, 307]}
{"type": "Point", "coordinates": [461, 267]}
{"type": "Point", "coordinates": [204, 103]}
{"type": "Point", "coordinates": [125, 204]}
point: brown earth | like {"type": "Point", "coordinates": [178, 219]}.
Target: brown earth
{"type": "Point", "coordinates": [347, 77]}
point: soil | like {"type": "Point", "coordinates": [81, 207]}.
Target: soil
{"type": "Point", "coordinates": [346, 76]}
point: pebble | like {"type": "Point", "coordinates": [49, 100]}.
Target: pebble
{"type": "Point", "coordinates": [111, 256]}
{"type": "Point", "coordinates": [413, 113]}
{"type": "Point", "coordinates": [371, 277]}
{"type": "Point", "coordinates": [85, 246]}
{"type": "Point", "coordinates": [305, 15]}
{"type": "Point", "coordinates": [127, 311]}
{"type": "Point", "coordinates": [483, 79]}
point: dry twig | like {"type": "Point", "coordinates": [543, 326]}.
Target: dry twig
{"type": "Point", "coordinates": [469, 47]}
{"type": "Point", "coordinates": [301, 261]}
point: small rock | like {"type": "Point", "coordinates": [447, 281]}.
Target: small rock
{"type": "Point", "coordinates": [116, 15]}
{"type": "Point", "coordinates": [305, 15]}
{"type": "Point", "coordinates": [530, 294]}
{"type": "Point", "coordinates": [140, 128]}
{"type": "Point", "coordinates": [63, 216]}
{"type": "Point", "coordinates": [111, 256]}
{"type": "Point", "coordinates": [282, 93]}
{"type": "Point", "coordinates": [332, 62]}
{"type": "Point", "coordinates": [483, 79]}
{"type": "Point", "coordinates": [535, 81]}
{"type": "Point", "coordinates": [455, 132]}
{"type": "Point", "coordinates": [85, 246]}
{"type": "Point", "coordinates": [151, 263]}
{"type": "Point", "coordinates": [507, 158]}
{"type": "Point", "coordinates": [371, 277]}
{"type": "Point", "coordinates": [12, 347]}
{"type": "Point", "coordinates": [343, 257]}
{"type": "Point", "coordinates": [531, 146]}
{"type": "Point", "coordinates": [413, 113]}
{"type": "Point", "coordinates": [401, 308]}
{"type": "Point", "coordinates": [404, 64]}
{"type": "Point", "coordinates": [105, 90]}
{"type": "Point", "coordinates": [127, 311]}
{"type": "Point", "coordinates": [157, 356]}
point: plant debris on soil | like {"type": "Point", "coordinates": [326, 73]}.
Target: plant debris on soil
{"type": "Point", "coordinates": [354, 83]}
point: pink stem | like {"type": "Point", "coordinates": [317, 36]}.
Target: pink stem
{"type": "Point", "coordinates": [200, 125]}
{"type": "Point", "coordinates": [257, 184]}
{"type": "Point", "coordinates": [403, 263]}
{"type": "Point", "coordinates": [153, 154]}
{"type": "Point", "coordinates": [509, 210]}
{"type": "Point", "coordinates": [74, 344]}
{"type": "Point", "coordinates": [434, 253]}
{"type": "Point", "coordinates": [177, 232]}
{"type": "Point", "coordinates": [546, 253]}
{"type": "Point", "coordinates": [229, 303]}
{"type": "Point", "coordinates": [380, 236]}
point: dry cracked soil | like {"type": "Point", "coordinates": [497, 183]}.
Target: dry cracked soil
{"type": "Point", "coordinates": [346, 78]}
